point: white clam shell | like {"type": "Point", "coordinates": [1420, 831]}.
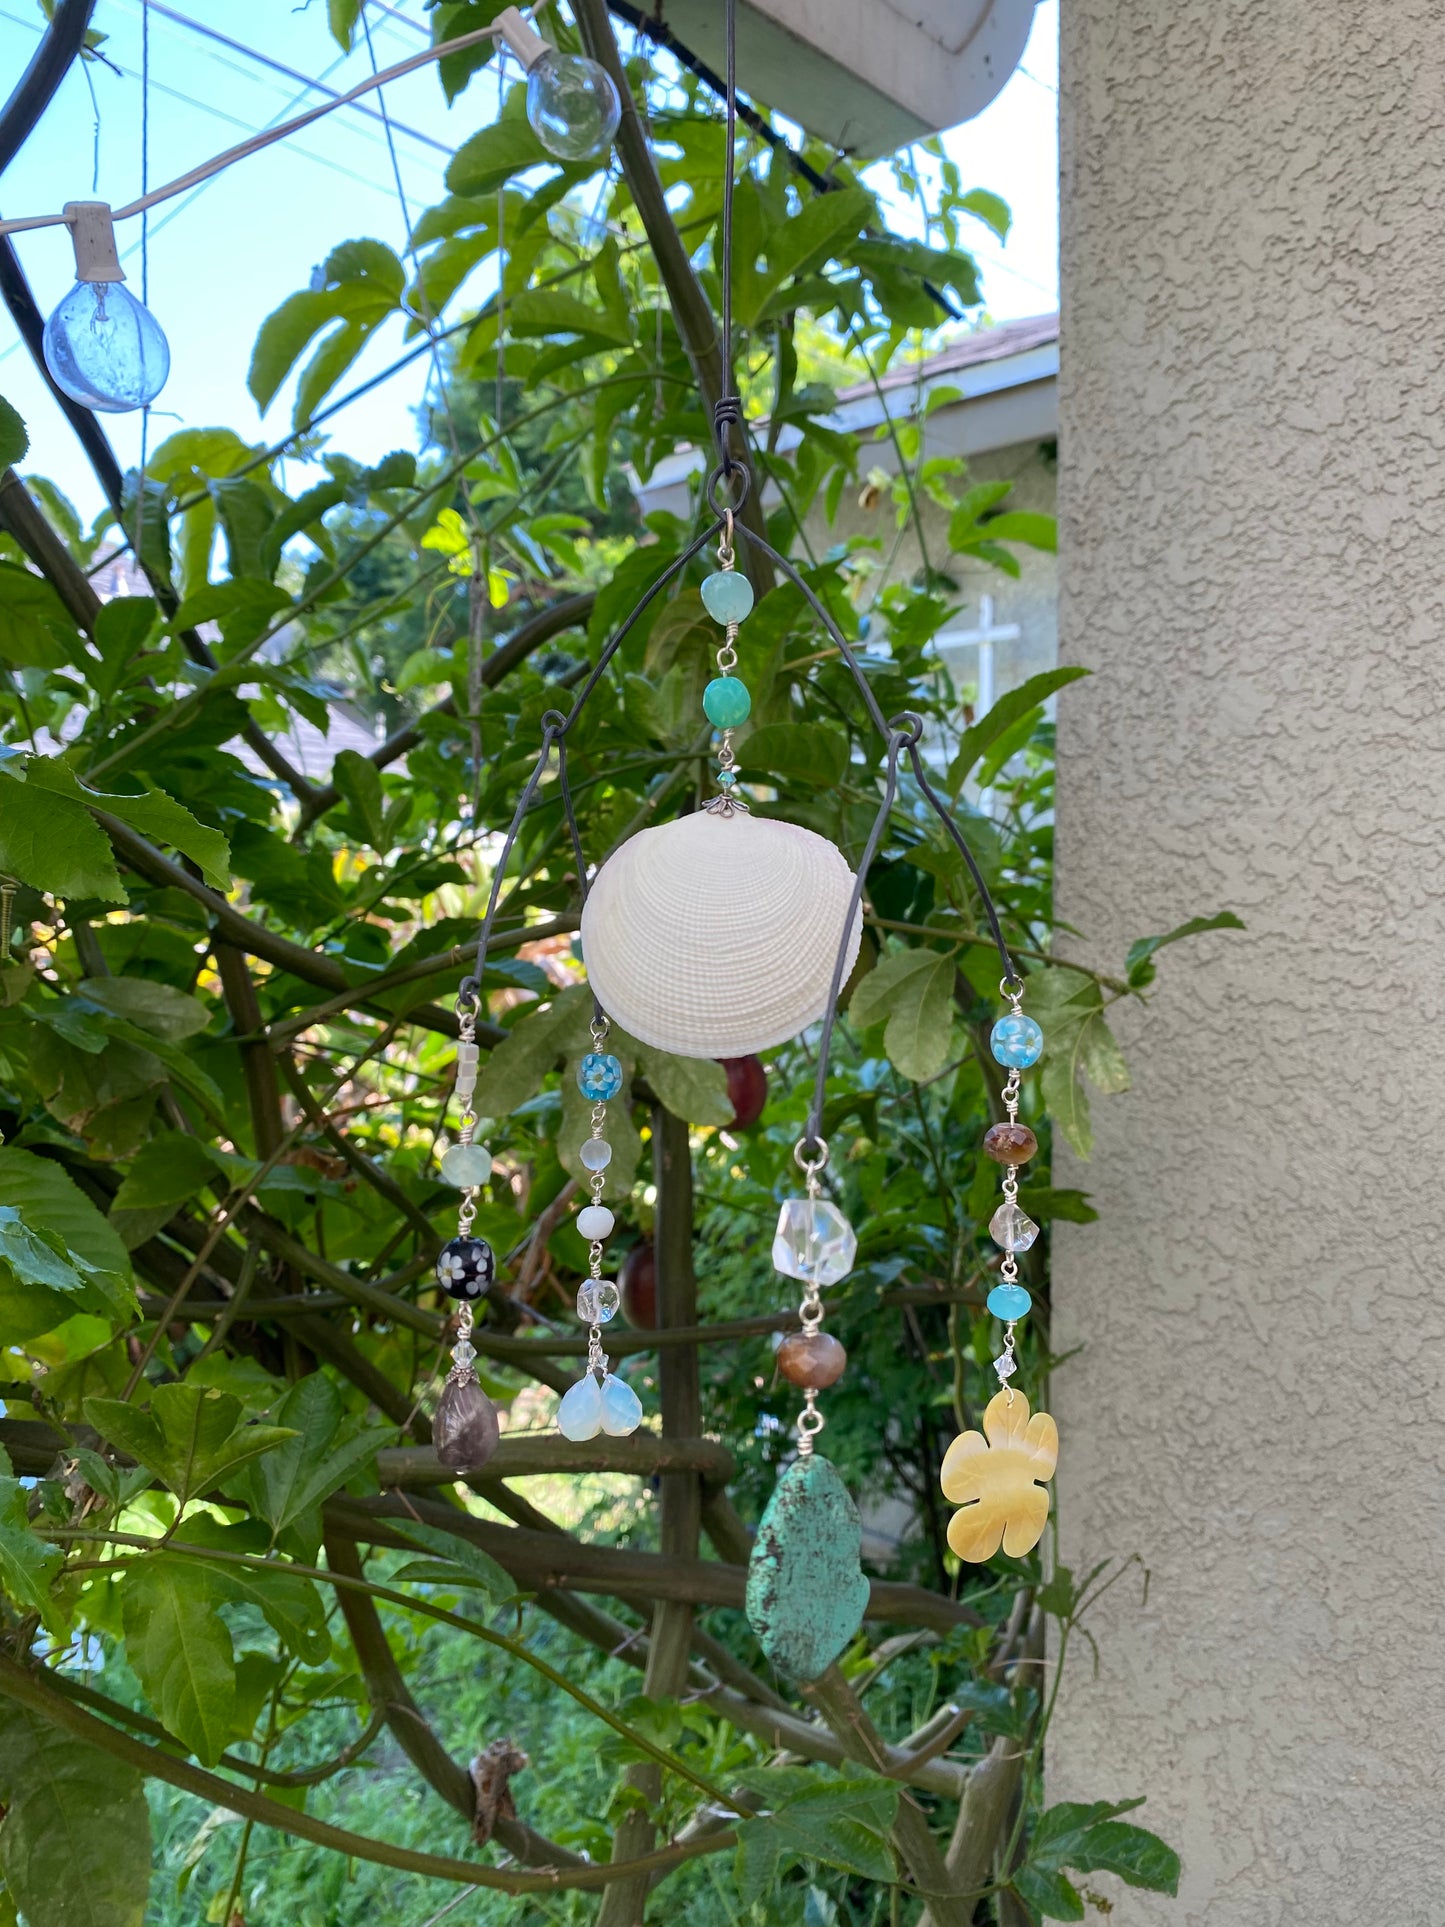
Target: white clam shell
{"type": "Point", "coordinates": [716, 936]}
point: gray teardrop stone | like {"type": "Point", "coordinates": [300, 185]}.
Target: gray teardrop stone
{"type": "Point", "coordinates": [465, 1430]}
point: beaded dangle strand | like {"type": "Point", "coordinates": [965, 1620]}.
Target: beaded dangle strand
{"type": "Point", "coordinates": [815, 1243]}
{"type": "Point", "coordinates": [1017, 1043]}
{"type": "Point", "coordinates": [727, 702]}
{"type": "Point", "coordinates": [465, 1430]}
{"type": "Point", "coordinates": [598, 1402]}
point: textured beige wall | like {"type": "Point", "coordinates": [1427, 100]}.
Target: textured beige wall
{"type": "Point", "coordinates": [1252, 450]}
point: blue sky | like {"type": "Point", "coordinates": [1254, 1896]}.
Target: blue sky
{"type": "Point", "coordinates": [221, 258]}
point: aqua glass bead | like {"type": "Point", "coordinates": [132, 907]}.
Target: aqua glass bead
{"type": "Point", "coordinates": [727, 596]}
{"type": "Point", "coordinates": [467, 1164]}
{"type": "Point", "coordinates": [1017, 1041]}
{"type": "Point", "coordinates": [726, 702]}
{"type": "Point", "coordinates": [599, 1076]}
{"type": "Point", "coordinates": [1008, 1302]}
{"type": "Point", "coordinates": [727, 778]}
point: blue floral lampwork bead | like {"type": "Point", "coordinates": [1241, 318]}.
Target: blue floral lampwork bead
{"type": "Point", "coordinates": [1016, 1041]}
{"type": "Point", "coordinates": [599, 1076]}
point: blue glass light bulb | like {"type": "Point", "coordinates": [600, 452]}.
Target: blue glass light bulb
{"type": "Point", "coordinates": [105, 350]}
{"type": "Point", "coordinates": [572, 105]}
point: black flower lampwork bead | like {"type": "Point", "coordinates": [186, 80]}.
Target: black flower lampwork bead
{"type": "Point", "coordinates": [465, 1267]}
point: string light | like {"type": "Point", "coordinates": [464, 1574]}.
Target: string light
{"type": "Point", "coordinates": [106, 351]}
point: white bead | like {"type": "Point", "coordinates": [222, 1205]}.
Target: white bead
{"type": "Point", "coordinates": [596, 1154]}
{"type": "Point", "coordinates": [595, 1221]}
{"type": "Point", "coordinates": [716, 936]}
{"type": "Point", "coordinates": [579, 1416]}
{"type": "Point", "coordinates": [621, 1408]}
{"type": "Point", "coordinates": [468, 1057]}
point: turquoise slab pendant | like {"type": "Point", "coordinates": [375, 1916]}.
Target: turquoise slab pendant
{"type": "Point", "coordinates": [806, 1591]}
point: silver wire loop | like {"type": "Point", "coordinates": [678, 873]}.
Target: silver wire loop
{"type": "Point", "coordinates": [803, 1161]}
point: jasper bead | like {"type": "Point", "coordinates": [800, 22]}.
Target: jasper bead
{"type": "Point", "coordinates": [811, 1360]}
{"type": "Point", "coordinates": [1016, 1041]}
{"type": "Point", "coordinates": [726, 702]}
{"type": "Point", "coordinates": [727, 596]}
{"type": "Point", "coordinates": [1010, 1143]}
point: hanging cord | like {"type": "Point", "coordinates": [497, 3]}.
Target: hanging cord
{"type": "Point", "coordinates": [145, 255]}
{"type": "Point", "coordinates": [727, 411]}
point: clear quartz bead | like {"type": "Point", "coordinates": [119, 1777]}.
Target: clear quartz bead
{"type": "Point", "coordinates": [464, 1352]}
{"type": "Point", "coordinates": [597, 1301]}
{"type": "Point", "coordinates": [1005, 1366]}
{"type": "Point", "coordinates": [1010, 1228]}
{"type": "Point", "coordinates": [814, 1241]}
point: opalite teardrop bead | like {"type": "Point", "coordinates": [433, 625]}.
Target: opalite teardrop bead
{"type": "Point", "coordinates": [579, 1416]}
{"type": "Point", "coordinates": [727, 596]}
{"type": "Point", "coordinates": [621, 1408]}
{"type": "Point", "coordinates": [726, 702]}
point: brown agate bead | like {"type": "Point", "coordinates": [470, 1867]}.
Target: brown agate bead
{"type": "Point", "coordinates": [811, 1360]}
{"type": "Point", "coordinates": [1010, 1143]}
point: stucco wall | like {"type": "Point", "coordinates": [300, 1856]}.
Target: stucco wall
{"type": "Point", "coordinates": [1251, 436]}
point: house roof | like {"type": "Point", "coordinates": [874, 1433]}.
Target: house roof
{"type": "Point", "coordinates": [977, 350]}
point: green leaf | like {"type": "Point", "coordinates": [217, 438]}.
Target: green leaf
{"type": "Point", "coordinates": [14, 441]}
{"type": "Point", "coordinates": [459, 1562]}
{"type": "Point", "coordinates": [1072, 1207]}
{"type": "Point", "coordinates": [36, 631]}
{"type": "Point", "coordinates": [1078, 1044]}
{"type": "Point", "coordinates": [28, 1563]}
{"type": "Point", "coordinates": [124, 623]}
{"type": "Point", "coordinates": [516, 1068]}
{"type": "Point", "coordinates": [170, 1169]}
{"type": "Point", "coordinates": [804, 242]}
{"type": "Point", "coordinates": [54, 845]}
{"type": "Point", "coordinates": [75, 1843]}
{"type": "Point", "coordinates": [290, 1602]}
{"type": "Point", "coordinates": [180, 1648]}
{"type": "Point", "coordinates": [692, 1088]}
{"type": "Point", "coordinates": [807, 752]}
{"type": "Point", "coordinates": [153, 813]}
{"type": "Point", "coordinates": [1140, 966]}
{"type": "Point", "coordinates": [341, 16]}
{"type": "Point", "coordinates": [293, 1479]}
{"type": "Point", "coordinates": [989, 209]}
{"type": "Point", "coordinates": [191, 1438]}
{"type": "Point", "coordinates": [158, 1009]}
{"type": "Point", "coordinates": [490, 158]}
{"type": "Point", "coordinates": [1024, 525]}
{"type": "Point", "coordinates": [359, 781]}
{"type": "Point", "coordinates": [840, 1819]}
{"type": "Point", "coordinates": [913, 989]}
{"type": "Point", "coordinates": [1004, 714]}
{"type": "Point", "coordinates": [1090, 1838]}
{"type": "Point", "coordinates": [31, 1259]}
{"type": "Point", "coordinates": [54, 1205]}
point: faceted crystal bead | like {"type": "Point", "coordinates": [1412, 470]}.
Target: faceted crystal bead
{"type": "Point", "coordinates": [621, 1408]}
{"type": "Point", "coordinates": [467, 1164]}
{"type": "Point", "coordinates": [727, 596]}
{"type": "Point", "coordinates": [1005, 1365]}
{"type": "Point", "coordinates": [597, 1301]}
{"type": "Point", "coordinates": [595, 1221]}
{"type": "Point", "coordinates": [727, 778]}
{"type": "Point", "coordinates": [463, 1352]}
{"type": "Point", "coordinates": [465, 1430]}
{"type": "Point", "coordinates": [1016, 1041]}
{"type": "Point", "coordinates": [599, 1076]}
{"type": "Point", "coordinates": [465, 1267]}
{"type": "Point", "coordinates": [579, 1416]}
{"type": "Point", "coordinates": [1010, 1143]}
{"type": "Point", "coordinates": [726, 702]}
{"type": "Point", "coordinates": [596, 1154]}
{"type": "Point", "coordinates": [814, 1241]}
{"type": "Point", "coordinates": [1008, 1302]}
{"type": "Point", "coordinates": [1010, 1228]}
{"type": "Point", "coordinates": [811, 1360]}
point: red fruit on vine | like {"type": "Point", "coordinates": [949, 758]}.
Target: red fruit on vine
{"type": "Point", "coordinates": [747, 1089]}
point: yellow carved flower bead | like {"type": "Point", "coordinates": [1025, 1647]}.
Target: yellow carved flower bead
{"type": "Point", "coordinates": [993, 1476]}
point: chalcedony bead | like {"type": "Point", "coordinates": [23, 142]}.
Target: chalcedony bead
{"type": "Point", "coordinates": [579, 1416]}
{"type": "Point", "coordinates": [597, 1301]}
{"type": "Point", "coordinates": [811, 1360]}
{"type": "Point", "coordinates": [1010, 1228]}
{"type": "Point", "coordinates": [814, 1241]}
{"type": "Point", "coordinates": [1008, 1302]}
{"type": "Point", "coordinates": [465, 1267]}
{"type": "Point", "coordinates": [621, 1408]}
{"type": "Point", "coordinates": [465, 1430]}
{"type": "Point", "coordinates": [1016, 1041]}
{"type": "Point", "coordinates": [727, 596]}
{"type": "Point", "coordinates": [595, 1221]}
{"type": "Point", "coordinates": [726, 702]}
{"type": "Point", "coordinates": [1010, 1143]}
{"type": "Point", "coordinates": [599, 1076]}
{"type": "Point", "coordinates": [596, 1154]}
{"type": "Point", "coordinates": [467, 1164]}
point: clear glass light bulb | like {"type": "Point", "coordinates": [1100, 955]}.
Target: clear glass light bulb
{"type": "Point", "coordinates": [105, 350]}
{"type": "Point", "coordinates": [572, 105]}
